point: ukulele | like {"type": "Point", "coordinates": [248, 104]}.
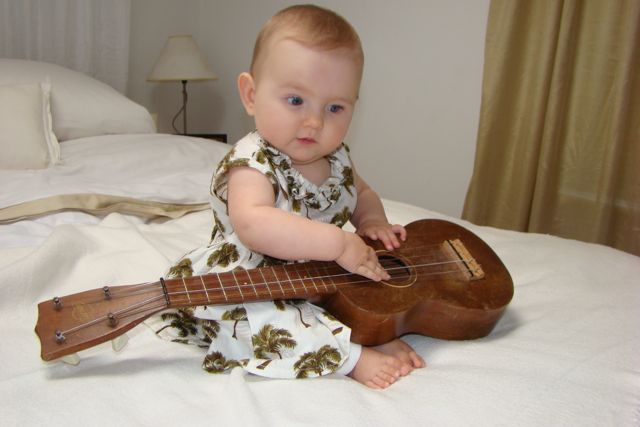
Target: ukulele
{"type": "Point", "coordinates": [445, 283]}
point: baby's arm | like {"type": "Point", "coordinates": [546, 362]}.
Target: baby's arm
{"type": "Point", "coordinates": [271, 231]}
{"type": "Point", "coordinates": [370, 220]}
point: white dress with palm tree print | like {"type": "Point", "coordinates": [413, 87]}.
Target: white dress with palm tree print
{"type": "Point", "coordinates": [277, 339]}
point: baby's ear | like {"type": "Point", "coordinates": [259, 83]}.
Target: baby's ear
{"type": "Point", "coordinates": [246, 87]}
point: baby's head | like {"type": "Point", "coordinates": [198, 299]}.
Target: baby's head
{"type": "Point", "coordinates": [312, 26]}
{"type": "Point", "coordinates": [304, 81]}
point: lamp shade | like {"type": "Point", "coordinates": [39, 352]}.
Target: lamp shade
{"type": "Point", "coordinates": [181, 59]}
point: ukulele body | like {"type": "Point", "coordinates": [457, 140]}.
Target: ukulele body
{"type": "Point", "coordinates": [441, 300]}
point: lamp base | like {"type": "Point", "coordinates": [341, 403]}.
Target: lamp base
{"type": "Point", "coordinates": [182, 111]}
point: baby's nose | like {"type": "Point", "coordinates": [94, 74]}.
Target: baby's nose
{"type": "Point", "coordinates": [313, 120]}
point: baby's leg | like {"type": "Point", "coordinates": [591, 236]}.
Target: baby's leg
{"type": "Point", "coordinates": [379, 367]}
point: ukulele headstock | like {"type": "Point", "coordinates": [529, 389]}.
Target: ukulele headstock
{"type": "Point", "coordinates": [76, 322]}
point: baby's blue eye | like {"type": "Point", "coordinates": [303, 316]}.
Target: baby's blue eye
{"type": "Point", "coordinates": [294, 100]}
{"type": "Point", "coordinates": [335, 108]}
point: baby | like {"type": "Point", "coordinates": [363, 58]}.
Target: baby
{"type": "Point", "coordinates": [282, 194]}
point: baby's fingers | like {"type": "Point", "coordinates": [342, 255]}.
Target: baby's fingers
{"type": "Point", "coordinates": [372, 269]}
{"type": "Point", "coordinates": [374, 273]}
{"type": "Point", "coordinates": [400, 231]}
{"type": "Point", "coordinates": [389, 239]}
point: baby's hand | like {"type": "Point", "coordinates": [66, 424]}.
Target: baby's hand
{"type": "Point", "coordinates": [385, 232]}
{"type": "Point", "coordinates": [361, 259]}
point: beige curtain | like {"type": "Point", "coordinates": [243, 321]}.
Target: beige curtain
{"type": "Point", "coordinates": [559, 137]}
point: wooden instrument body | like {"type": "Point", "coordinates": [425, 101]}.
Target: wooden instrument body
{"type": "Point", "coordinates": [447, 306]}
{"type": "Point", "coordinates": [434, 291]}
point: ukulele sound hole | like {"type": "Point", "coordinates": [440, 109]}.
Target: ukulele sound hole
{"type": "Point", "coordinates": [402, 274]}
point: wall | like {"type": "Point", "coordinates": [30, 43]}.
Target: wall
{"type": "Point", "coordinates": [414, 131]}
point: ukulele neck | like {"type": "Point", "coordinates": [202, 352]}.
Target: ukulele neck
{"type": "Point", "coordinates": [291, 281]}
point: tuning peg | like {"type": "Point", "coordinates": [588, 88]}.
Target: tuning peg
{"type": "Point", "coordinates": [119, 342]}
{"type": "Point", "coordinates": [71, 359]}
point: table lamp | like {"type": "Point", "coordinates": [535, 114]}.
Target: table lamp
{"type": "Point", "coordinates": [181, 60]}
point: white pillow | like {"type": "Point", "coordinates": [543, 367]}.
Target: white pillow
{"type": "Point", "coordinates": [80, 105]}
{"type": "Point", "coordinates": [26, 136]}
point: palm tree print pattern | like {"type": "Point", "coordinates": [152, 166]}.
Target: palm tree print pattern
{"type": "Point", "coordinates": [324, 361]}
{"type": "Point", "coordinates": [271, 339]}
{"type": "Point", "coordinates": [182, 320]}
{"type": "Point", "coordinates": [216, 363]}
{"type": "Point", "coordinates": [225, 255]}
{"type": "Point", "coordinates": [281, 305]}
{"type": "Point", "coordinates": [237, 314]}
{"type": "Point", "coordinates": [181, 269]}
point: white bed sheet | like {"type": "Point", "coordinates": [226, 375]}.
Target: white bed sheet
{"type": "Point", "coordinates": [565, 352]}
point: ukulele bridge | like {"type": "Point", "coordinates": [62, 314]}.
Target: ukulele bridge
{"type": "Point", "coordinates": [467, 264]}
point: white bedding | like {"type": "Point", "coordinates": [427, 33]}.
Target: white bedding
{"type": "Point", "coordinates": [119, 209]}
{"type": "Point", "coordinates": [139, 170]}
{"type": "Point", "coordinates": [565, 352]}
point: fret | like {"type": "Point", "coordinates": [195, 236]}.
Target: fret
{"type": "Point", "coordinates": [278, 281]}
{"type": "Point", "coordinates": [186, 290]}
{"type": "Point", "coordinates": [245, 281]}
{"type": "Point", "coordinates": [294, 269]}
{"type": "Point", "coordinates": [237, 285]}
{"type": "Point", "coordinates": [259, 284]}
{"type": "Point", "coordinates": [253, 286]}
{"type": "Point", "coordinates": [204, 287]}
{"type": "Point", "coordinates": [180, 294]}
{"type": "Point", "coordinates": [224, 292]}
{"type": "Point", "coordinates": [303, 280]}
{"type": "Point", "coordinates": [309, 276]}
{"type": "Point", "coordinates": [290, 281]}
{"type": "Point", "coordinates": [326, 276]}
{"type": "Point", "coordinates": [267, 285]}
{"type": "Point", "coordinates": [195, 290]}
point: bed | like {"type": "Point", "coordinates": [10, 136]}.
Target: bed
{"type": "Point", "coordinates": [105, 200]}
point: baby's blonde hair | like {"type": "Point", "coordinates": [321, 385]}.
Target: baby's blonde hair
{"type": "Point", "coordinates": [314, 27]}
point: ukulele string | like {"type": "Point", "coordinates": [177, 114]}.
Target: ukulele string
{"type": "Point", "coordinates": [421, 270]}
{"type": "Point", "coordinates": [305, 289]}
{"type": "Point", "coordinates": [144, 287]}
{"type": "Point", "coordinates": [131, 310]}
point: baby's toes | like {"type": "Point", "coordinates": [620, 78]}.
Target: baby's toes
{"type": "Point", "coordinates": [382, 380]}
{"type": "Point", "coordinates": [389, 376]}
{"type": "Point", "coordinates": [416, 360]}
{"type": "Point", "coordinates": [406, 369]}
{"type": "Point", "coordinates": [372, 384]}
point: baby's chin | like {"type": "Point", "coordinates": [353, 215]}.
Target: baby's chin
{"type": "Point", "coordinates": [297, 161]}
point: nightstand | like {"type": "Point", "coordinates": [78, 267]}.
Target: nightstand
{"type": "Point", "coordinates": [222, 137]}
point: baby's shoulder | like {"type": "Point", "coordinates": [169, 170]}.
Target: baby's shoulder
{"type": "Point", "coordinates": [248, 144]}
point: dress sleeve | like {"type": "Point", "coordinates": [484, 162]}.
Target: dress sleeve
{"type": "Point", "coordinates": [246, 153]}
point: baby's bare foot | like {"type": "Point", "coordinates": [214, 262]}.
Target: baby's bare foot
{"type": "Point", "coordinates": [376, 369]}
{"type": "Point", "coordinates": [403, 352]}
